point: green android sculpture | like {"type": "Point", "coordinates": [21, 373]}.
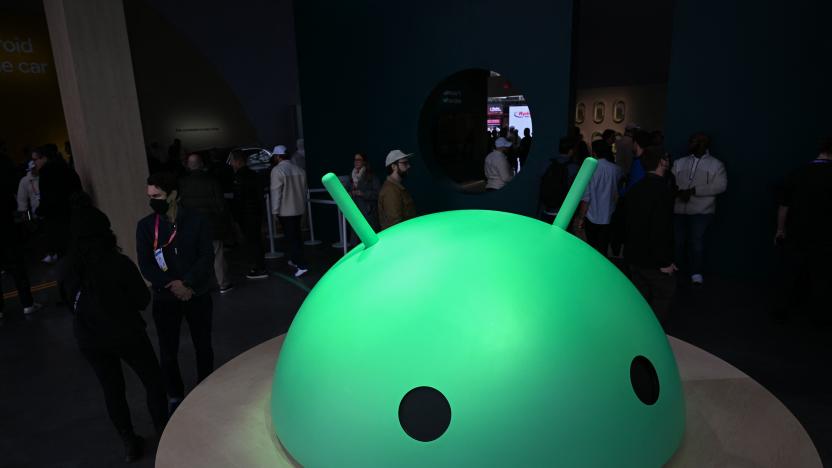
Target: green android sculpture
{"type": "Point", "coordinates": [476, 339]}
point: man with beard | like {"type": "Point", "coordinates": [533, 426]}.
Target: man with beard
{"type": "Point", "coordinates": [700, 177]}
{"type": "Point", "coordinates": [394, 202]}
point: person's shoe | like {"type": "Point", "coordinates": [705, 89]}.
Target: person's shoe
{"type": "Point", "coordinates": [49, 259]}
{"type": "Point", "coordinates": [32, 308]}
{"type": "Point", "coordinates": [292, 264]}
{"type": "Point", "coordinates": [133, 448]}
{"type": "Point", "coordinates": [257, 274]}
{"type": "Point", "coordinates": [173, 403]}
{"type": "Point", "coordinates": [227, 288]}
{"type": "Point", "coordinates": [300, 272]}
{"type": "Point", "coordinates": [697, 280]}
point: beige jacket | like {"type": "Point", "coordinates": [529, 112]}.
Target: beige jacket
{"type": "Point", "coordinates": [288, 189]}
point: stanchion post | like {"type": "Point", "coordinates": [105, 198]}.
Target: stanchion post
{"type": "Point", "coordinates": [312, 240]}
{"type": "Point", "coordinates": [340, 243]}
{"type": "Point", "coordinates": [272, 253]}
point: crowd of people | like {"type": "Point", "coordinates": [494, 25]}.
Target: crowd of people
{"type": "Point", "coordinates": [651, 213]}
{"type": "Point", "coordinates": [508, 154]}
{"type": "Point", "coordinates": [199, 205]}
{"type": "Point", "coordinates": [640, 207]}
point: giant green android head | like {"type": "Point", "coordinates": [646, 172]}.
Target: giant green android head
{"type": "Point", "coordinates": [476, 339]}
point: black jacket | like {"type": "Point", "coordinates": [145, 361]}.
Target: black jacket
{"type": "Point", "coordinates": [107, 296]}
{"type": "Point", "coordinates": [808, 195]}
{"type": "Point", "coordinates": [649, 223]}
{"type": "Point", "coordinates": [201, 192]}
{"type": "Point", "coordinates": [57, 183]}
{"type": "Point", "coordinates": [190, 257]}
{"type": "Point", "coordinates": [248, 203]}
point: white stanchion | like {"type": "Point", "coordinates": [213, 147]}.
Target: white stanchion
{"type": "Point", "coordinates": [272, 254]}
{"type": "Point", "coordinates": [342, 242]}
{"type": "Point", "coordinates": [312, 240]}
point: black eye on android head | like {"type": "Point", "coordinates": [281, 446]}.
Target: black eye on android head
{"type": "Point", "coordinates": [424, 414]}
{"type": "Point", "coordinates": [645, 380]}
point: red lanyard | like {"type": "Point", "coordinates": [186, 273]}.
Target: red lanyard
{"type": "Point", "coordinates": [156, 236]}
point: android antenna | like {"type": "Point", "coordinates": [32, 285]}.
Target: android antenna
{"type": "Point", "coordinates": [576, 192]}
{"type": "Point", "coordinates": [351, 212]}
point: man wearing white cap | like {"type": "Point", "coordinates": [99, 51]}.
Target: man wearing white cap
{"type": "Point", "coordinates": [277, 151]}
{"type": "Point", "coordinates": [394, 202]}
{"type": "Point", "coordinates": [288, 200]}
{"type": "Point", "coordinates": [497, 170]}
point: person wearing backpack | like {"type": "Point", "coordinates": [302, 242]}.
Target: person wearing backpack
{"type": "Point", "coordinates": [555, 183]}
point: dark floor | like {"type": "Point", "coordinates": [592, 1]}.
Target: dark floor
{"type": "Point", "coordinates": [52, 411]}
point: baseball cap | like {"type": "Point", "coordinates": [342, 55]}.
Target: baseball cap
{"type": "Point", "coordinates": [502, 143]}
{"type": "Point", "coordinates": [279, 149]}
{"type": "Point", "coordinates": [394, 156]}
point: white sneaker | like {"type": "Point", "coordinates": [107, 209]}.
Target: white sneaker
{"type": "Point", "coordinates": [300, 272]}
{"type": "Point", "coordinates": [292, 264]}
{"type": "Point", "coordinates": [32, 308]}
{"type": "Point", "coordinates": [697, 279]}
{"type": "Point", "coordinates": [49, 259]}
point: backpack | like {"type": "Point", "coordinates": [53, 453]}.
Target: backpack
{"type": "Point", "coordinates": [554, 185]}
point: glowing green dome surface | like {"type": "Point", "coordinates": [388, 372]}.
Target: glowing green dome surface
{"type": "Point", "coordinates": [528, 333]}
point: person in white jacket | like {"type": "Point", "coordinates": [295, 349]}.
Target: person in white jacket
{"type": "Point", "coordinates": [288, 199]}
{"type": "Point", "coordinates": [497, 169]}
{"type": "Point", "coordinates": [700, 178]}
{"type": "Point", "coordinates": [28, 191]}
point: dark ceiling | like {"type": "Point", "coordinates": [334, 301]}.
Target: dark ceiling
{"type": "Point", "coordinates": [622, 43]}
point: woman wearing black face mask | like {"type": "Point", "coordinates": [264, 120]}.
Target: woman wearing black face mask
{"type": "Point", "coordinates": [106, 293]}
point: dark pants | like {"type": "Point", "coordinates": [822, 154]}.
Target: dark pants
{"type": "Point", "coordinates": [618, 227]}
{"type": "Point", "coordinates": [294, 240]}
{"type": "Point", "coordinates": [139, 355]}
{"type": "Point", "coordinates": [57, 229]}
{"type": "Point", "coordinates": [598, 236]}
{"type": "Point", "coordinates": [11, 261]}
{"type": "Point", "coordinates": [252, 228]}
{"type": "Point", "coordinates": [806, 279]}
{"type": "Point", "coordinates": [657, 288]}
{"type": "Point", "coordinates": [168, 314]}
{"type": "Point", "coordinates": [690, 241]}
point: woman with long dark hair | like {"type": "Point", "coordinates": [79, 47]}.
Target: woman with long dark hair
{"type": "Point", "coordinates": [106, 294]}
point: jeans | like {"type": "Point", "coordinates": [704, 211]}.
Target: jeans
{"type": "Point", "coordinates": [294, 239]}
{"type": "Point", "coordinates": [168, 315]}
{"type": "Point", "coordinates": [690, 240]}
{"type": "Point", "coordinates": [139, 355]}
{"type": "Point", "coordinates": [252, 228]}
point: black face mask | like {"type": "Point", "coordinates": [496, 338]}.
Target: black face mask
{"type": "Point", "coordinates": [159, 206]}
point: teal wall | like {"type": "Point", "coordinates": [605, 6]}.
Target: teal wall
{"type": "Point", "coordinates": [366, 69]}
{"type": "Point", "coordinates": [755, 76]}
